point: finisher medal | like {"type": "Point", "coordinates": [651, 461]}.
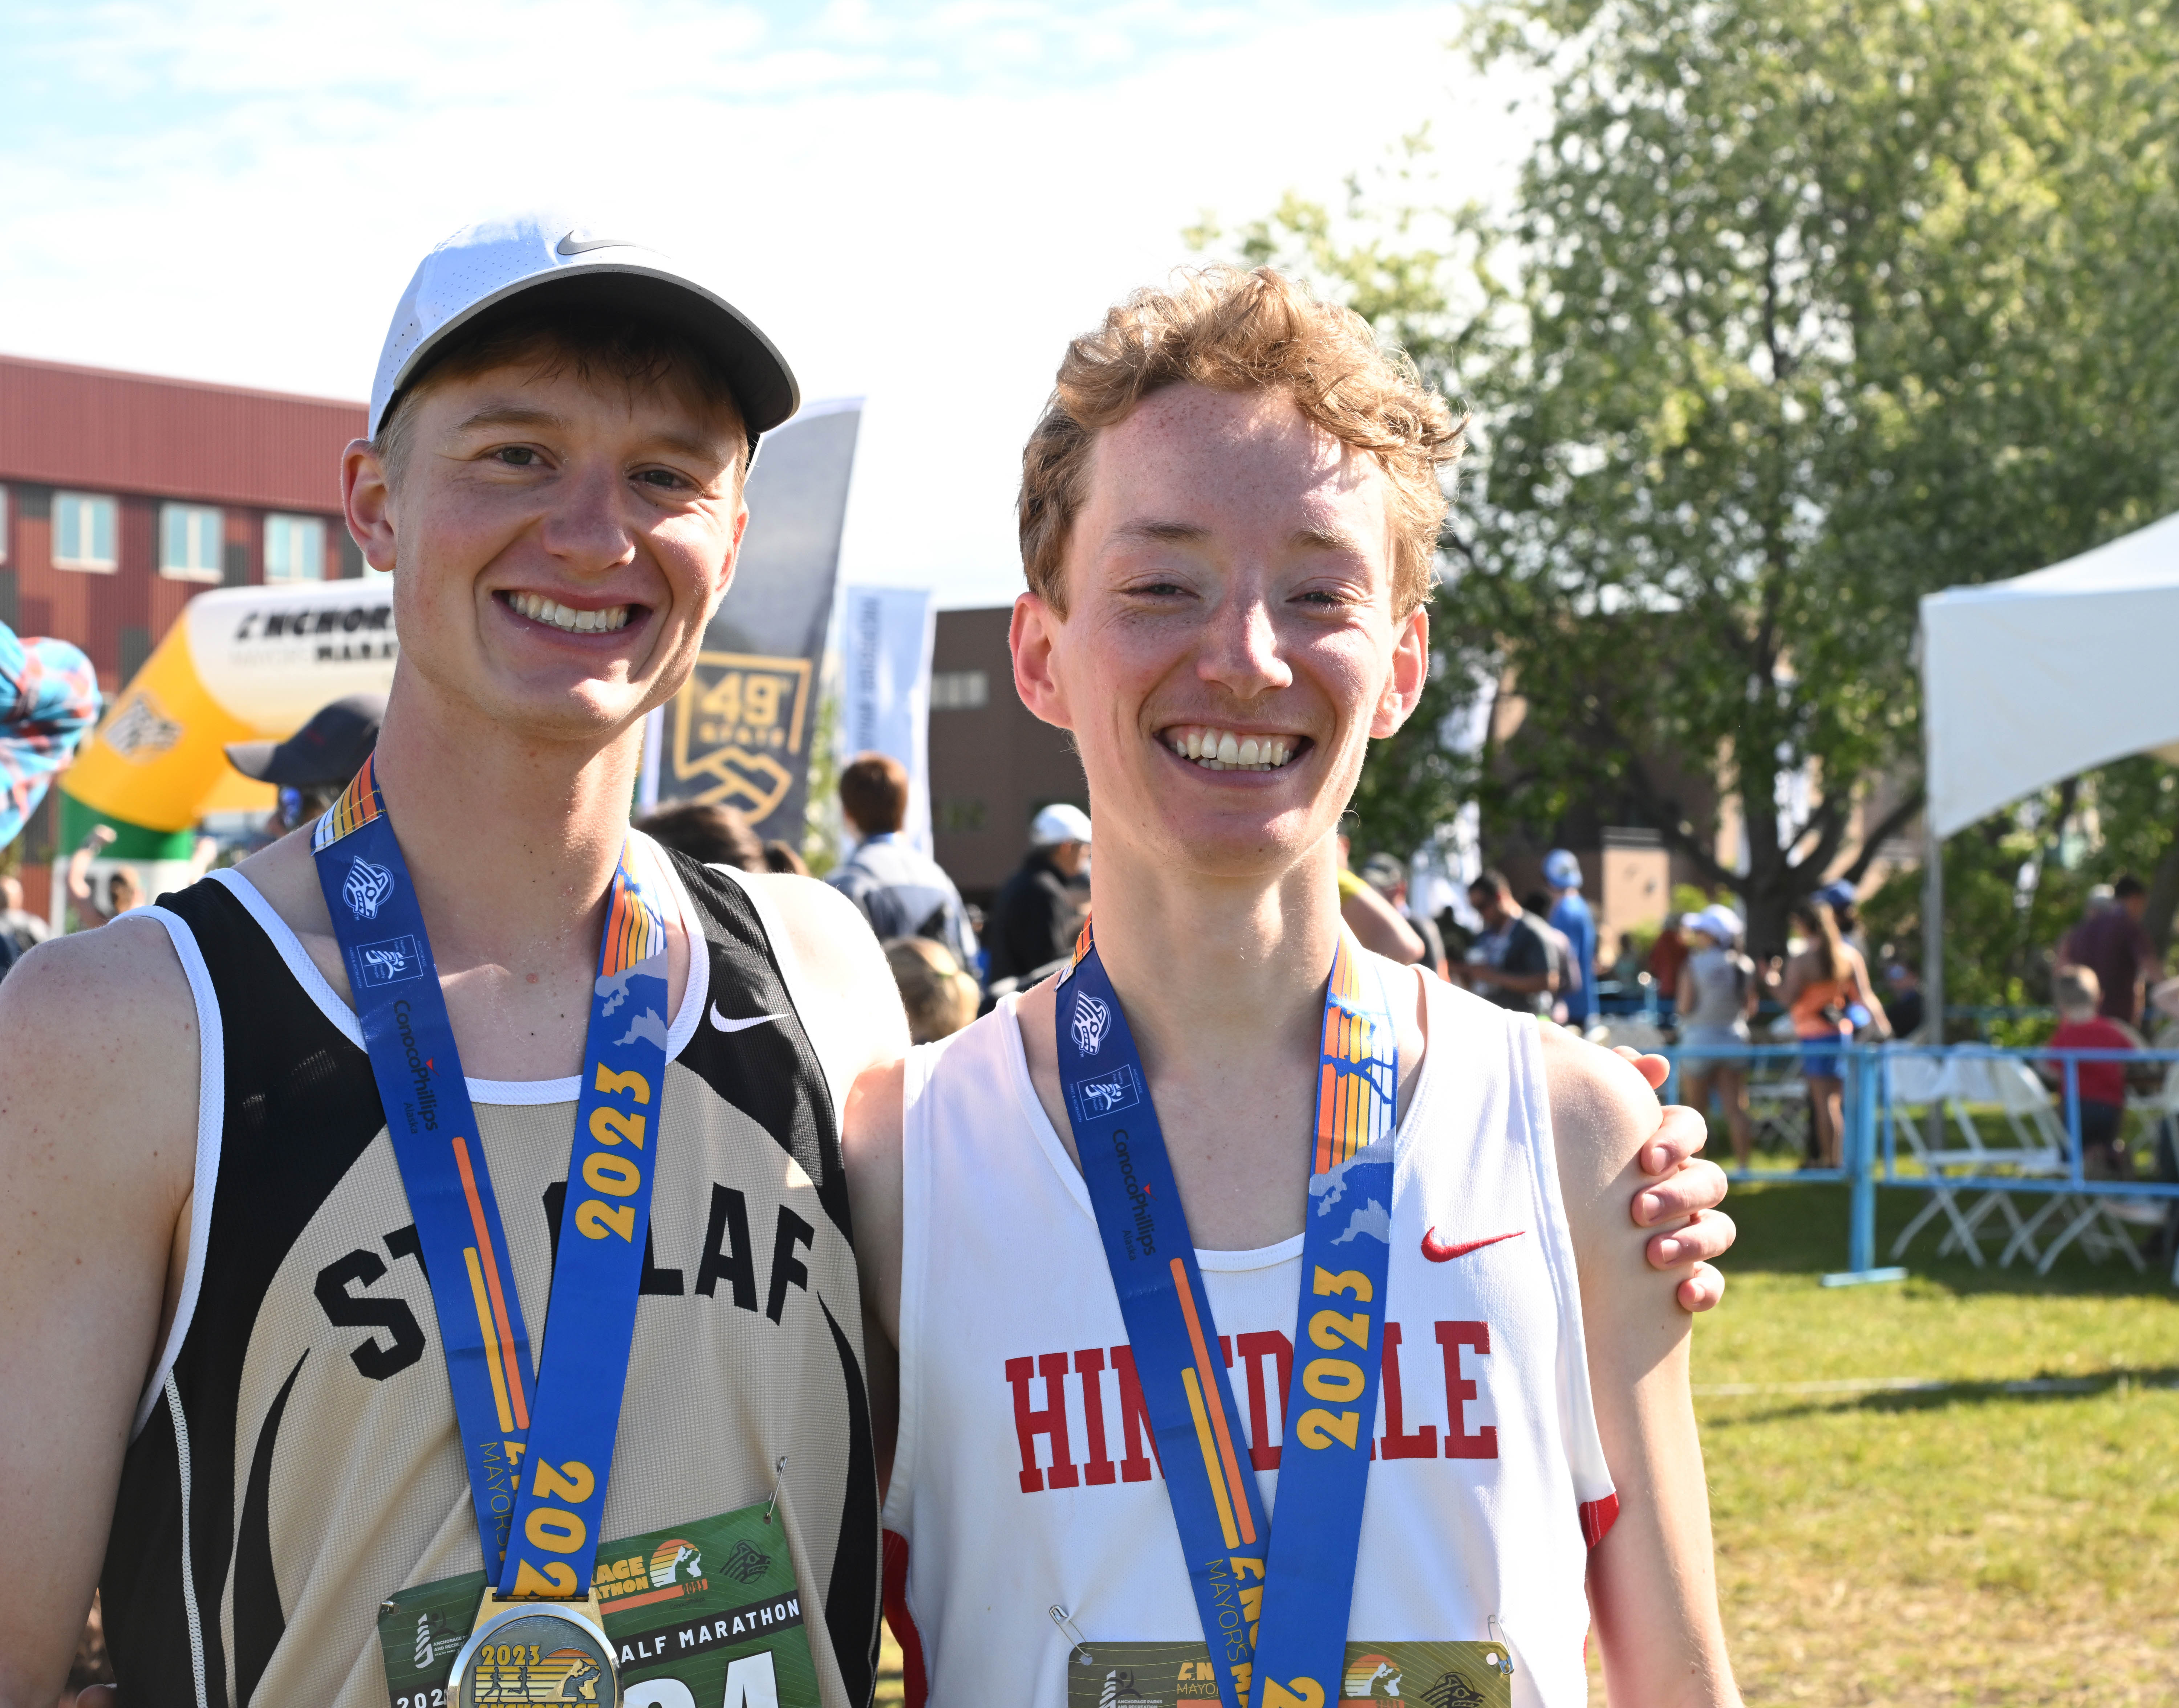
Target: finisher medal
{"type": "Point", "coordinates": [528, 1651]}
{"type": "Point", "coordinates": [538, 1448]}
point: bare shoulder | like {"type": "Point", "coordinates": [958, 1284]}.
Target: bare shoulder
{"type": "Point", "coordinates": [843, 966]}
{"type": "Point", "coordinates": [286, 874]}
{"type": "Point", "coordinates": [98, 1103]}
{"type": "Point", "coordinates": [101, 1015]}
{"type": "Point", "coordinates": [827, 931]}
{"type": "Point", "coordinates": [1602, 1112]}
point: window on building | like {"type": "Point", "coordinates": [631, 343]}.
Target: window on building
{"type": "Point", "coordinates": [189, 540]}
{"type": "Point", "coordinates": [3, 524]}
{"type": "Point", "coordinates": [295, 548]}
{"type": "Point", "coordinates": [959, 690]}
{"type": "Point", "coordinates": [85, 527]}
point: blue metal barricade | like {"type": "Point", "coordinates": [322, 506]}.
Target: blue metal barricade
{"type": "Point", "coordinates": [1957, 1090]}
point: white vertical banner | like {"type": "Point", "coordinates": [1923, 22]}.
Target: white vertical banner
{"type": "Point", "coordinates": [653, 746]}
{"type": "Point", "coordinates": [885, 637]}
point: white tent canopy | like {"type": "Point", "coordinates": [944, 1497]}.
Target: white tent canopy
{"type": "Point", "coordinates": [2028, 681]}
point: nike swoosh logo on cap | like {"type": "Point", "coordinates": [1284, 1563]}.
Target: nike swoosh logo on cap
{"type": "Point", "coordinates": [723, 1024]}
{"type": "Point", "coordinates": [1438, 1252]}
{"type": "Point", "coordinates": [573, 245]}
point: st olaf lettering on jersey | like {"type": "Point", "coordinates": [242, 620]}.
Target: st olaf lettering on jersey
{"type": "Point", "coordinates": [1107, 1398]}
{"type": "Point", "coordinates": [396, 1339]}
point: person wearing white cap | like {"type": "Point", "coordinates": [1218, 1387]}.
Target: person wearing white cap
{"type": "Point", "coordinates": [325, 1377]}
{"type": "Point", "coordinates": [1717, 993]}
{"type": "Point", "coordinates": [1039, 910]}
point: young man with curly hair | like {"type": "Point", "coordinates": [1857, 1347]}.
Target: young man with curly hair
{"type": "Point", "coordinates": [1269, 1321]}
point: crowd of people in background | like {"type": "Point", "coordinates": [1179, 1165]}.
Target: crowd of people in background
{"type": "Point", "coordinates": [1540, 954]}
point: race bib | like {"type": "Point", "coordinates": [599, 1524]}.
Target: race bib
{"type": "Point", "coordinates": [706, 1615]}
{"type": "Point", "coordinates": [1179, 1675]}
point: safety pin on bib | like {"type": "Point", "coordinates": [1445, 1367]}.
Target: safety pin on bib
{"type": "Point", "coordinates": [1503, 1661]}
{"type": "Point", "coordinates": [778, 1476]}
{"type": "Point", "coordinates": [1073, 1636]}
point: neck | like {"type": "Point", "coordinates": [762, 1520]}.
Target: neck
{"type": "Point", "coordinates": [1224, 969]}
{"type": "Point", "coordinates": [511, 841]}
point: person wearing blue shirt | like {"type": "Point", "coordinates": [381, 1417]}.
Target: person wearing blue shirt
{"type": "Point", "coordinates": [1570, 916]}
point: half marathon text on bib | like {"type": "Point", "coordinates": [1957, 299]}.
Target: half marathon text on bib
{"type": "Point", "coordinates": [702, 1615]}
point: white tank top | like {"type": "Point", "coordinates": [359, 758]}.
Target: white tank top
{"type": "Point", "coordinates": [1488, 1483]}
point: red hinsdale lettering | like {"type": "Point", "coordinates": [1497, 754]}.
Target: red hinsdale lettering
{"type": "Point", "coordinates": [1266, 1358]}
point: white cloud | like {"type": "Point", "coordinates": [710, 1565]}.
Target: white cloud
{"type": "Point", "coordinates": [919, 208]}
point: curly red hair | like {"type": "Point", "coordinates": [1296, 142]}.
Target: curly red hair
{"type": "Point", "coordinates": [1243, 332]}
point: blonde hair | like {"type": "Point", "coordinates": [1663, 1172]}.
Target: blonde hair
{"type": "Point", "coordinates": [940, 998]}
{"type": "Point", "coordinates": [1237, 331]}
{"type": "Point", "coordinates": [2078, 991]}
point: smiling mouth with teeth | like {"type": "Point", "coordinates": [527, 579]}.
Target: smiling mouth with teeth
{"type": "Point", "coordinates": [539, 609]}
{"type": "Point", "coordinates": [1222, 750]}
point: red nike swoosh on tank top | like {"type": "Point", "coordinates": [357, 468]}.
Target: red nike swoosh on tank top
{"type": "Point", "coordinates": [1438, 1252]}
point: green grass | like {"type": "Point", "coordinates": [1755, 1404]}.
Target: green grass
{"type": "Point", "coordinates": [1968, 1549]}
{"type": "Point", "coordinates": [1970, 1545]}
{"type": "Point", "coordinates": [889, 1685]}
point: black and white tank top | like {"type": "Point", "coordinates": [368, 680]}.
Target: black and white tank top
{"type": "Point", "coordinates": [295, 1458]}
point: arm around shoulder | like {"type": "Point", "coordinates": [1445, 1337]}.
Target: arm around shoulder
{"type": "Point", "coordinates": [1652, 1581]}
{"type": "Point", "coordinates": [98, 1104]}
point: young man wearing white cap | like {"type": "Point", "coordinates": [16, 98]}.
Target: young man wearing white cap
{"type": "Point", "coordinates": [590, 1314]}
{"type": "Point", "coordinates": [1250, 1290]}
{"type": "Point", "coordinates": [587, 1313]}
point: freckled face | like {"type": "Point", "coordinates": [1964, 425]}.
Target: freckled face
{"type": "Point", "coordinates": [1230, 646]}
{"type": "Point", "coordinates": [558, 545]}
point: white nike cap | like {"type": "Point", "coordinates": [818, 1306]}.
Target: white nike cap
{"type": "Point", "coordinates": [482, 266]}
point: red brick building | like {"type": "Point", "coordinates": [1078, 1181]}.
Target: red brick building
{"type": "Point", "coordinates": [121, 495]}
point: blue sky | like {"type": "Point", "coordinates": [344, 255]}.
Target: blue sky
{"type": "Point", "coordinates": [920, 202]}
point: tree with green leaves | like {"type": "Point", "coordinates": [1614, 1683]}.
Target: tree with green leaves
{"type": "Point", "coordinates": [1798, 312]}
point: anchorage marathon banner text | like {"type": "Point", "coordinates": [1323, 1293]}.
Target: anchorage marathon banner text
{"type": "Point", "coordinates": [739, 733]}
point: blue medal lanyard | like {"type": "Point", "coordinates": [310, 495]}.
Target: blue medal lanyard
{"type": "Point", "coordinates": [1275, 1619]}
{"type": "Point", "coordinates": [539, 1533]}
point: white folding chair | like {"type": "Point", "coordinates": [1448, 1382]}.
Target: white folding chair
{"type": "Point", "coordinates": [1778, 1109]}
{"type": "Point", "coordinates": [1964, 1082]}
{"type": "Point", "coordinates": [1778, 1096]}
{"type": "Point", "coordinates": [2076, 1216]}
{"type": "Point", "coordinates": [1915, 1088]}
